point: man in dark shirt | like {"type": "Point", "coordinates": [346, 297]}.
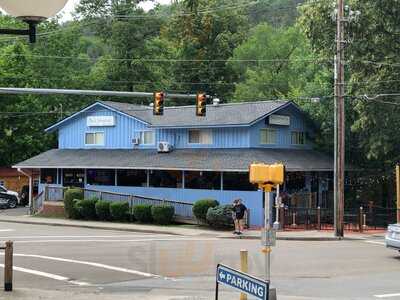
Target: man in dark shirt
{"type": "Point", "coordinates": [239, 209]}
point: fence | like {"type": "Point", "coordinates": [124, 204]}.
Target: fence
{"type": "Point", "coordinates": [183, 210]}
{"type": "Point", "coordinates": [357, 219]}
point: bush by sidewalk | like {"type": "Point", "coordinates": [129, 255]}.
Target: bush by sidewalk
{"type": "Point", "coordinates": [70, 196]}
{"type": "Point", "coordinates": [87, 209]}
{"type": "Point", "coordinates": [201, 207]}
{"type": "Point", "coordinates": [220, 217]}
{"type": "Point", "coordinates": [142, 213]}
{"type": "Point", "coordinates": [163, 214]}
{"type": "Point", "coordinates": [103, 210]}
{"type": "Point", "coordinates": [119, 211]}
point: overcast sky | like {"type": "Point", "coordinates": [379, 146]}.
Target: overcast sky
{"type": "Point", "coordinates": [71, 4]}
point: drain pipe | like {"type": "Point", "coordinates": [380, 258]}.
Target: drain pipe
{"type": "Point", "coordinates": [30, 188]}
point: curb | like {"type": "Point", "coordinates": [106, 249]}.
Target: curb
{"type": "Point", "coordinates": [295, 238]}
{"type": "Point", "coordinates": [92, 227]}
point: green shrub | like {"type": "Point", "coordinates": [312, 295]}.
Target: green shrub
{"type": "Point", "coordinates": [87, 209]}
{"type": "Point", "coordinates": [201, 207]}
{"type": "Point", "coordinates": [75, 210]}
{"type": "Point", "coordinates": [69, 196]}
{"type": "Point", "coordinates": [103, 210]}
{"type": "Point", "coordinates": [163, 214]}
{"type": "Point", "coordinates": [119, 211]}
{"type": "Point", "coordinates": [220, 217]}
{"type": "Point", "coordinates": [142, 213]}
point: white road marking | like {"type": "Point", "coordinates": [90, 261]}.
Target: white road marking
{"type": "Point", "coordinates": [112, 240]}
{"type": "Point", "coordinates": [84, 236]}
{"type": "Point", "coordinates": [5, 230]}
{"type": "Point", "coordinates": [48, 275]}
{"type": "Point", "coordinates": [387, 295]}
{"type": "Point", "coordinates": [88, 263]}
{"type": "Point", "coordinates": [375, 242]}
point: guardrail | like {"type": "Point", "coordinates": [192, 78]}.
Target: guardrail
{"type": "Point", "coordinates": [8, 266]}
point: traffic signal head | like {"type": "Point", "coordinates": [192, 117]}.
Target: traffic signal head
{"type": "Point", "coordinates": [158, 107]}
{"type": "Point", "coordinates": [263, 174]}
{"type": "Point", "coordinates": [201, 102]}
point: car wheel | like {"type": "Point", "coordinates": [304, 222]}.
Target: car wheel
{"type": "Point", "coordinates": [12, 203]}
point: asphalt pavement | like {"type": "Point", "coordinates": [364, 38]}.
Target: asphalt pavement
{"type": "Point", "coordinates": [80, 263]}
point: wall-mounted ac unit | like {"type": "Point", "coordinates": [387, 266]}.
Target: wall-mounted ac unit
{"type": "Point", "coordinates": [164, 147]}
{"type": "Point", "coordinates": [135, 141]}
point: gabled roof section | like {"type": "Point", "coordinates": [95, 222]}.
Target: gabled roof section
{"type": "Point", "coordinates": [229, 115]}
{"type": "Point", "coordinates": [102, 104]}
{"type": "Point", "coordinates": [222, 115]}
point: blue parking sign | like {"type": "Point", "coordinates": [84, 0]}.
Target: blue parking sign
{"type": "Point", "coordinates": [242, 282]}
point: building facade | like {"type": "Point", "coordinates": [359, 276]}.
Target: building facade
{"type": "Point", "coordinates": [122, 147]}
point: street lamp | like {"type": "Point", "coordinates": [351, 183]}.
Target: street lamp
{"type": "Point", "coordinates": [31, 12]}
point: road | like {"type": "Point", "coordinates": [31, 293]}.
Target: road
{"type": "Point", "coordinates": [64, 262]}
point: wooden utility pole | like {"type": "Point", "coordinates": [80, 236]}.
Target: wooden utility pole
{"type": "Point", "coordinates": [398, 192]}
{"type": "Point", "coordinates": [339, 159]}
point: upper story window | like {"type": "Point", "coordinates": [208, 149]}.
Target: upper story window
{"type": "Point", "coordinates": [298, 138]}
{"type": "Point", "coordinates": [200, 136]}
{"type": "Point", "coordinates": [147, 138]}
{"type": "Point", "coordinates": [94, 139]}
{"type": "Point", "coordinates": [268, 136]}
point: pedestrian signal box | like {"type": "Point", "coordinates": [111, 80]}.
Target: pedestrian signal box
{"type": "Point", "coordinates": [263, 174]}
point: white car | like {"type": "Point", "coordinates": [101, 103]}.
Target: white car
{"type": "Point", "coordinates": [8, 198]}
{"type": "Point", "coordinates": [392, 237]}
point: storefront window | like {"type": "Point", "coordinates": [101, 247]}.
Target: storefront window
{"type": "Point", "coordinates": [74, 177]}
{"type": "Point", "coordinates": [48, 176]}
{"type": "Point", "coordinates": [132, 177]}
{"type": "Point", "coordinates": [238, 181]}
{"type": "Point", "coordinates": [202, 180]}
{"type": "Point", "coordinates": [100, 177]}
{"type": "Point", "coordinates": [166, 178]}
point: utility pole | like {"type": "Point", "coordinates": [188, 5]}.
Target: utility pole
{"type": "Point", "coordinates": [339, 159]}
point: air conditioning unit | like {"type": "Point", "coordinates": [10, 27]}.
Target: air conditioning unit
{"type": "Point", "coordinates": [135, 141]}
{"type": "Point", "coordinates": [164, 147]}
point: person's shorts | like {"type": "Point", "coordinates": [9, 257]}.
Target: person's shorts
{"type": "Point", "coordinates": [239, 217]}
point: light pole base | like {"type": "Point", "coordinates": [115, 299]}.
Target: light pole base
{"type": "Point", "coordinates": [272, 294]}
{"type": "Point", "coordinates": [276, 226]}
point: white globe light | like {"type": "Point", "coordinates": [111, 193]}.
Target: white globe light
{"type": "Point", "coordinates": [34, 10]}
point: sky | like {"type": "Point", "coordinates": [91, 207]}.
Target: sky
{"type": "Point", "coordinates": [71, 4]}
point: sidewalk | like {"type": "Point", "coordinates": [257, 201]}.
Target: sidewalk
{"type": "Point", "coordinates": [186, 230]}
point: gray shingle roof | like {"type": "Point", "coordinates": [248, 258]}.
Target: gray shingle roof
{"type": "Point", "coordinates": [184, 116]}
{"type": "Point", "coordinates": [185, 159]}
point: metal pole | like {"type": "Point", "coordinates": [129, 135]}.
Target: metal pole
{"type": "Point", "coordinates": [339, 124]}
{"type": "Point", "coordinates": [34, 91]}
{"type": "Point", "coordinates": [8, 266]}
{"type": "Point", "coordinates": [398, 192]}
{"type": "Point", "coordinates": [244, 267]}
{"type": "Point", "coordinates": [268, 228]}
{"type": "Point", "coordinates": [277, 204]}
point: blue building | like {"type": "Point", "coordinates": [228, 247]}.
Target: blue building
{"type": "Point", "coordinates": [122, 147]}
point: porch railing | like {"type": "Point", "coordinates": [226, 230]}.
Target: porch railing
{"type": "Point", "coordinates": [183, 210]}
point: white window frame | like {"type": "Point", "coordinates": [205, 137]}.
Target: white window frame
{"type": "Point", "coordinates": [296, 142]}
{"type": "Point", "coordinates": [141, 138]}
{"type": "Point", "coordinates": [204, 131]}
{"type": "Point", "coordinates": [95, 132]}
{"type": "Point", "coordinates": [266, 130]}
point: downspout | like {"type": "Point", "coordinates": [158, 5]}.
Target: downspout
{"type": "Point", "coordinates": [30, 187]}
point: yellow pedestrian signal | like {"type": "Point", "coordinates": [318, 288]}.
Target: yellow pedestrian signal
{"type": "Point", "coordinates": [201, 102]}
{"type": "Point", "coordinates": [158, 106]}
{"type": "Point", "coordinates": [263, 174]}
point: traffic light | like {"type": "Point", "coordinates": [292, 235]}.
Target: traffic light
{"type": "Point", "coordinates": [263, 174]}
{"type": "Point", "coordinates": [158, 107]}
{"type": "Point", "coordinates": [201, 102]}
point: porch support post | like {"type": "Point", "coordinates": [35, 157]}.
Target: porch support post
{"type": "Point", "coordinates": [222, 181]}
{"type": "Point", "coordinates": [115, 177]}
{"type": "Point", "coordinates": [183, 179]}
{"type": "Point", "coordinates": [85, 179]}
{"type": "Point", "coordinates": [148, 178]}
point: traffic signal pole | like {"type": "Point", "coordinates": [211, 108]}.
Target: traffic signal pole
{"type": "Point", "coordinates": [339, 157]}
{"type": "Point", "coordinates": [398, 192]}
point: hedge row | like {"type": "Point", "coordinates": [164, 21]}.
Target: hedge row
{"type": "Point", "coordinates": [94, 209]}
{"type": "Point", "coordinates": [210, 212]}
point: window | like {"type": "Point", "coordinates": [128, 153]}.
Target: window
{"type": "Point", "coordinates": [94, 138]}
{"type": "Point", "coordinates": [132, 177]}
{"type": "Point", "coordinates": [147, 138]}
{"type": "Point", "coordinates": [74, 177]}
{"type": "Point", "coordinates": [166, 178]}
{"type": "Point", "coordinates": [298, 138]}
{"type": "Point", "coordinates": [48, 176]}
{"type": "Point", "coordinates": [197, 136]}
{"type": "Point", "coordinates": [100, 177]}
{"type": "Point", "coordinates": [238, 181]}
{"type": "Point", "coordinates": [268, 136]}
{"type": "Point", "coordinates": [202, 180]}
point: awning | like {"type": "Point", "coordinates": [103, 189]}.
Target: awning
{"type": "Point", "coordinates": [186, 159]}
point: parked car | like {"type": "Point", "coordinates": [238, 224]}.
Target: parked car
{"type": "Point", "coordinates": [9, 199]}
{"type": "Point", "coordinates": [392, 237]}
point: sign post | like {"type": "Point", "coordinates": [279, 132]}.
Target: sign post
{"type": "Point", "coordinates": [242, 282]}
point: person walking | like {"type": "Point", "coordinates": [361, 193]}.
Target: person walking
{"type": "Point", "coordinates": [239, 209]}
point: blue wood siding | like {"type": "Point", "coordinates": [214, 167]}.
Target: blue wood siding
{"type": "Point", "coordinates": [72, 134]}
{"type": "Point", "coordinates": [297, 123]}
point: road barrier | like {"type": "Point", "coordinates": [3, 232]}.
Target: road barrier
{"type": "Point", "coordinates": [8, 266]}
